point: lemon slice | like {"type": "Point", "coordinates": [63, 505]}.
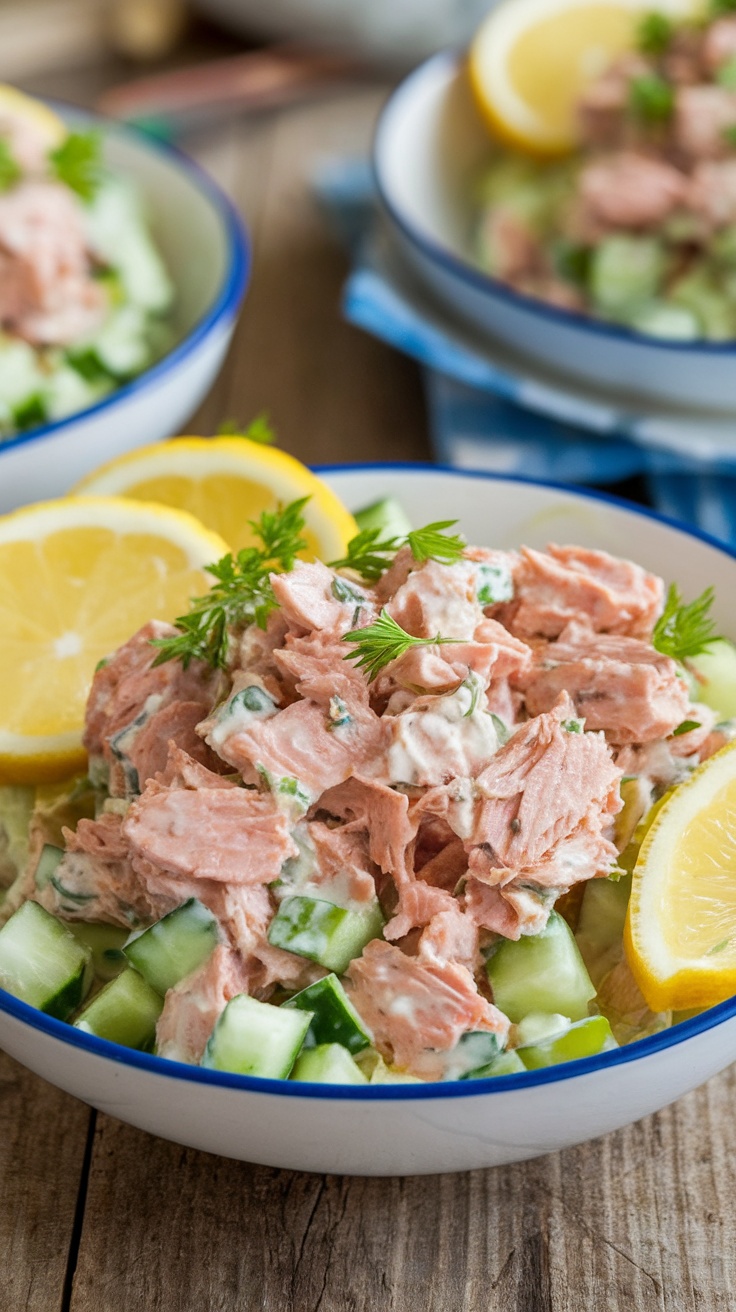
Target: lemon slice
{"type": "Point", "coordinates": [225, 482]}
{"type": "Point", "coordinates": [77, 577]}
{"type": "Point", "coordinates": [15, 105]}
{"type": "Point", "coordinates": [680, 933]}
{"type": "Point", "coordinates": [531, 60]}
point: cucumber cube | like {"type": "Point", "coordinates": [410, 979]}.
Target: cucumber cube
{"type": "Point", "coordinates": [125, 1011]}
{"type": "Point", "coordinates": [328, 1063]}
{"type": "Point", "coordinates": [472, 1050]}
{"type": "Point", "coordinates": [255, 1038]}
{"type": "Point", "coordinates": [717, 666]}
{"type": "Point", "coordinates": [105, 942]}
{"type": "Point", "coordinates": [506, 1063]}
{"type": "Point", "coordinates": [384, 1074]}
{"type": "Point", "coordinates": [387, 516]}
{"type": "Point", "coordinates": [586, 1038]}
{"type": "Point", "coordinates": [175, 946]}
{"type": "Point", "coordinates": [543, 972]}
{"type": "Point", "coordinates": [334, 1018]}
{"type": "Point", "coordinates": [42, 963]}
{"type": "Point", "coordinates": [47, 863]}
{"type": "Point", "coordinates": [330, 935]}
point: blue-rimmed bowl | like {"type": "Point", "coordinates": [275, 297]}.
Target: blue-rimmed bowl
{"type": "Point", "coordinates": [403, 1130]}
{"type": "Point", "coordinates": [205, 248]}
{"type": "Point", "coordinates": [429, 152]}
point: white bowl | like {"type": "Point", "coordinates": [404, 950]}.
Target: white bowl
{"type": "Point", "coordinates": [429, 148]}
{"type": "Point", "coordinates": [404, 1130]}
{"type": "Point", "coordinates": [205, 248]}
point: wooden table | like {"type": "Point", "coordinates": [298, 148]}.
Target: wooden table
{"type": "Point", "coordinates": [99, 1217]}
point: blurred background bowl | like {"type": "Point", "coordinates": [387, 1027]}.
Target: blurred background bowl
{"type": "Point", "coordinates": [387, 30]}
{"type": "Point", "coordinates": [429, 151]}
{"type": "Point", "coordinates": [205, 248]}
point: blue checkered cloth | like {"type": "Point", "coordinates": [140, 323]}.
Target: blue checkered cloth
{"type": "Point", "coordinates": [488, 411]}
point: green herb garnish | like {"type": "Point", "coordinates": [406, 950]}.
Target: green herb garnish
{"type": "Point", "coordinates": [10, 169]}
{"type": "Point", "coordinates": [682, 630]}
{"type": "Point", "coordinates": [242, 593]}
{"type": "Point", "coordinates": [258, 430]}
{"type": "Point", "coordinates": [382, 642]}
{"type": "Point", "coordinates": [654, 34]}
{"type": "Point", "coordinates": [726, 75]}
{"type": "Point", "coordinates": [729, 135]}
{"type": "Point", "coordinates": [77, 162]}
{"type": "Point", "coordinates": [685, 727]}
{"type": "Point", "coordinates": [651, 98]}
{"type": "Point", "coordinates": [370, 555]}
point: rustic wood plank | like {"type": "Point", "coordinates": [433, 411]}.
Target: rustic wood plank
{"type": "Point", "coordinates": [43, 1134]}
{"type": "Point", "coordinates": [642, 1219]}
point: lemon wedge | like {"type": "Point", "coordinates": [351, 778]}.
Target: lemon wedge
{"type": "Point", "coordinates": [78, 576]}
{"type": "Point", "coordinates": [225, 482]}
{"type": "Point", "coordinates": [15, 105]}
{"type": "Point", "coordinates": [531, 60]}
{"type": "Point", "coordinates": [680, 933]}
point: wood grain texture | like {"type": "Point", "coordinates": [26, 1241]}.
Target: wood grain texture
{"type": "Point", "coordinates": [642, 1219]}
{"type": "Point", "coordinates": [43, 1135]}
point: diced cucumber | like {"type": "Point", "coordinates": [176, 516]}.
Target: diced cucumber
{"type": "Point", "coordinates": [175, 946]}
{"type": "Point", "coordinates": [105, 942]}
{"type": "Point", "coordinates": [543, 972]}
{"type": "Point", "coordinates": [42, 963]}
{"type": "Point", "coordinates": [704, 296]}
{"type": "Point", "coordinates": [255, 1038]}
{"type": "Point", "coordinates": [601, 924]}
{"type": "Point", "coordinates": [119, 237]}
{"type": "Point", "coordinates": [473, 1050]}
{"type": "Point", "coordinates": [121, 344]}
{"type": "Point", "coordinates": [586, 1038]}
{"type": "Point", "coordinates": [538, 1026]}
{"type": "Point", "coordinates": [506, 1063]}
{"type": "Point", "coordinates": [334, 1018]}
{"type": "Point", "coordinates": [328, 1063]}
{"type": "Point", "coordinates": [125, 1011]}
{"type": "Point", "coordinates": [717, 666]}
{"type": "Point", "coordinates": [68, 391]}
{"type": "Point", "coordinates": [626, 272]}
{"type": "Point", "coordinates": [675, 323]}
{"type": "Point", "coordinates": [330, 935]}
{"type": "Point", "coordinates": [47, 864]}
{"type": "Point", "coordinates": [386, 515]}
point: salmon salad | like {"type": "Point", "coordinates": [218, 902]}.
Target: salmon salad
{"type": "Point", "coordinates": [85, 299]}
{"type": "Point", "coordinates": [639, 226]}
{"type": "Point", "coordinates": [367, 821]}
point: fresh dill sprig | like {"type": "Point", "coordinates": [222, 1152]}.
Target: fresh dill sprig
{"type": "Point", "coordinates": [241, 594]}
{"type": "Point", "coordinates": [382, 642]}
{"type": "Point", "coordinates": [370, 556]}
{"type": "Point", "coordinates": [432, 543]}
{"type": "Point", "coordinates": [258, 430]}
{"type": "Point", "coordinates": [77, 162]}
{"type": "Point", "coordinates": [10, 170]}
{"type": "Point", "coordinates": [682, 630]}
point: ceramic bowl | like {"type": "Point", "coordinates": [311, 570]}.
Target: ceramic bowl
{"type": "Point", "coordinates": [205, 248]}
{"type": "Point", "coordinates": [429, 150]}
{"type": "Point", "coordinates": [409, 1129]}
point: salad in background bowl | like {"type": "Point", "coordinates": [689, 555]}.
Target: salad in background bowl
{"type": "Point", "coordinates": [123, 269]}
{"type": "Point", "coordinates": [479, 1027]}
{"type": "Point", "coordinates": [611, 265]}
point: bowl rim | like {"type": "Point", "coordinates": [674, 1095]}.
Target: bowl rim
{"type": "Point", "coordinates": [638, 1050]}
{"type": "Point", "coordinates": [473, 274]}
{"type": "Point", "coordinates": [224, 305]}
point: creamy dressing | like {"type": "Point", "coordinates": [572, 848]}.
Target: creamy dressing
{"type": "Point", "coordinates": [452, 735]}
{"type": "Point", "coordinates": [239, 713]}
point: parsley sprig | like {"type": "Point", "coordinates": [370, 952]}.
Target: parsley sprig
{"type": "Point", "coordinates": [78, 163]}
{"type": "Point", "coordinates": [370, 555]}
{"type": "Point", "coordinates": [242, 593]}
{"type": "Point", "coordinates": [382, 642]}
{"type": "Point", "coordinates": [258, 430]}
{"type": "Point", "coordinates": [683, 630]}
{"type": "Point", "coordinates": [10, 169]}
